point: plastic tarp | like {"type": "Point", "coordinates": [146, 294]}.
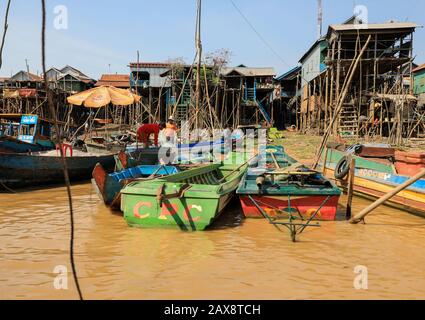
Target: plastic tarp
{"type": "Point", "coordinates": [9, 94]}
{"type": "Point", "coordinates": [27, 93]}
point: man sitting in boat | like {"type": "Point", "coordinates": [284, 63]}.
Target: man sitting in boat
{"type": "Point", "coordinates": [146, 130]}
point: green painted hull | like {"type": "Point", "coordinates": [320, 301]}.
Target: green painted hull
{"type": "Point", "coordinates": [334, 156]}
{"type": "Point", "coordinates": [189, 200]}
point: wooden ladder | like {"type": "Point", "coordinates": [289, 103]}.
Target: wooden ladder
{"type": "Point", "coordinates": [349, 120]}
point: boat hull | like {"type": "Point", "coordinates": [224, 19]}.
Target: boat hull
{"type": "Point", "coordinates": [23, 170]}
{"type": "Point", "coordinates": [306, 206]}
{"type": "Point", "coordinates": [190, 200]}
{"type": "Point", "coordinates": [373, 180]}
{"type": "Point", "coordinates": [109, 186]}
{"type": "Point", "coordinates": [188, 214]}
{"type": "Point", "coordinates": [10, 144]}
{"type": "Point", "coordinates": [300, 192]}
{"type": "Point", "coordinates": [408, 200]}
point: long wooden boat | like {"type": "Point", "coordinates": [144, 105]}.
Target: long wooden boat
{"type": "Point", "coordinates": [199, 152]}
{"type": "Point", "coordinates": [190, 200]}
{"type": "Point", "coordinates": [375, 178]}
{"type": "Point", "coordinates": [109, 186]}
{"type": "Point", "coordinates": [151, 156]}
{"type": "Point", "coordinates": [282, 188]}
{"type": "Point", "coordinates": [190, 148]}
{"type": "Point", "coordinates": [43, 168]}
{"type": "Point", "coordinates": [137, 157]}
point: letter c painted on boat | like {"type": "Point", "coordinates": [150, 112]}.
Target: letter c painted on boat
{"type": "Point", "coordinates": [187, 212]}
{"type": "Point", "coordinates": [137, 208]}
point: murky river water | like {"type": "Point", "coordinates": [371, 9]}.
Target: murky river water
{"type": "Point", "coordinates": [237, 259]}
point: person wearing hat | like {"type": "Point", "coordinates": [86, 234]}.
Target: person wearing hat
{"type": "Point", "coordinates": [171, 124]}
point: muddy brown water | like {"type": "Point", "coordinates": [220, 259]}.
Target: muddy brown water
{"type": "Point", "coordinates": [236, 259]}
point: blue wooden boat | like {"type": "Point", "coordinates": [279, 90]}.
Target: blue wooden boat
{"type": "Point", "coordinates": [109, 186]}
{"type": "Point", "coordinates": [191, 148]}
{"type": "Point", "coordinates": [136, 157]}
{"type": "Point", "coordinates": [25, 133]}
{"type": "Point", "coordinates": [198, 152]}
{"type": "Point", "coordinates": [42, 168]}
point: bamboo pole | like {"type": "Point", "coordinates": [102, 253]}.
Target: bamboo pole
{"type": "Point", "coordinates": [325, 161]}
{"type": "Point", "coordinates": [340, 104]}
{"type": "Point", "coordinates": [351, 188]}
{"type": "Point", "coordinates": [360, 217]}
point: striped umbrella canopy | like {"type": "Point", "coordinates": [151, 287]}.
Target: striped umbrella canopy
{"type": "Point", "coordinates": [102, 96]}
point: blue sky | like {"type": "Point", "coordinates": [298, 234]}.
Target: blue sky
{"type": "Point", "coordinates": [110, 32]}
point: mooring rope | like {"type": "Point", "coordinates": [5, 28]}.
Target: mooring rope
{"type": "Point", "coordinates": [58, 137]}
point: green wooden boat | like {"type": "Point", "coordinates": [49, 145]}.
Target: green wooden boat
{"type": "Point", "coordinates": [190, 200]}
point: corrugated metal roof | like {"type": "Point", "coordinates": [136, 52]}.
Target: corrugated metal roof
{"type": "Point", "coordinates": [76, 77]}
{"type": "Point", "coordinates": [291, 74]}
{"type": "Point", "coordinates": [115, 80]}
{"type": "Point", "coordinates": [26, 76]}
{"type": "Point", "coordinates": [374, 26]}
{"type": "Point", "coordinates": [71, 70]}
{"type": "Point", "coordinates": [250, 72]}
{"type": "Point", "coordinates": [318, 42]}
{"type": "Point", "coordinates": [150, 65]}
{"type": "Point", "coordinates": [421, 67]}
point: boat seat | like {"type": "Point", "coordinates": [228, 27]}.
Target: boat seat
{"type": "Point", "coordinates": [207, 179]}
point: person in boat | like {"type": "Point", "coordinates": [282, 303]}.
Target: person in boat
{"type": "Point", "coordinates": [146, 130]}
{"type": "Point", "coordinates": [169, 132]}
{"type": "Point", "coordinates": [168, 143]}
{"type": "Point", "coordinates": [167, 136]}
{"type": "Point", "coordinates": [161, 136]}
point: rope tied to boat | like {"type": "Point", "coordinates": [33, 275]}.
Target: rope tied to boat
{"type": "Point", "coordinates": [161, 197]}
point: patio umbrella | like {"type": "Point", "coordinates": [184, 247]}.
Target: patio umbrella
{"type": "Point", "coordinates": [102, 96]}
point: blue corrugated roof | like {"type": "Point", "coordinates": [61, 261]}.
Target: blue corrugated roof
{"type": "Point", "coordinates": [285, 75]}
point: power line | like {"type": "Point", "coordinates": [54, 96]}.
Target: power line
{"type": "Point", "coordinates": [266, 43]}
{"type": "Point", "coordinates": [264, 40]}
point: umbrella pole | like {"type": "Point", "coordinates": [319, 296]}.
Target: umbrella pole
{"type": "Point", "coordinates": [106, 121]}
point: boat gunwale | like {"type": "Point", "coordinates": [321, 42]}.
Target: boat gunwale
{"type": "Point", "coordinates": [215, 190]}
{"type": "Point", "coordinates": [332, 166]}
{"type": "Point", "coordinates": [333, 191]}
